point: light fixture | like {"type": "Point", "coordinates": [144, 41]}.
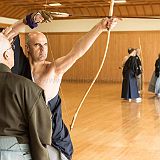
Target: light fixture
{"type": "Point", "coordinates": [60, 14]}
{"type": "Point", "coordinates": [120, 1]}
{"type": "Point", "coordinates": [54, 4]}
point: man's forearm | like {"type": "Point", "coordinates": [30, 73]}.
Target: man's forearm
{"type": "Point", "coordinates": [18, 27]}
{"type": "Point", "coordinates": [84, 43]}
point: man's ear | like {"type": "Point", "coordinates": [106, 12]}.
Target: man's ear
{"type": "Point", "coordinates": [27, 47]}
{"type": "Point", "coordinates": [26, 50]}
{"type": "Point", "coordinates": [6, 55]}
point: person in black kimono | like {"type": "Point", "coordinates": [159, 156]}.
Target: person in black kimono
{"type": "Point", "coordinates": [129, 84]}
{"type": "Point", "coordinates": [157, 73]}
{"type": "Point", "coordinates": [154, 84]}
{"type": "Point", "coordinates": [130, 50]}
{"type": "Point", "coordinates": [139, 70]}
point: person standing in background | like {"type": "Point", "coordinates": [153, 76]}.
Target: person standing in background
{"type": "Point", "coordinates": [139, 70]}
{"type": "Point", "coordinates": [157, 74]}
{"type": "Point", "coordinates": [129, 84]}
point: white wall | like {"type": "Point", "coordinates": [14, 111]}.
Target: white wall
{"type": "Point", "coordinates": [7, 20]}
{"type": "Point", "coordinates": [84, 25]}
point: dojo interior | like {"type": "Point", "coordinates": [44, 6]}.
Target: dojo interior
{"type": "Point", "coordinates": [107, 127]}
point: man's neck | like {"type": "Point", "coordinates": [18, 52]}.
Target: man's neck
{"type": "Point", "coordinates": [36, 66]}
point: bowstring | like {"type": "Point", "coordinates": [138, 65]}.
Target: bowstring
{"type": "Point", "coordinates": [53, 60]}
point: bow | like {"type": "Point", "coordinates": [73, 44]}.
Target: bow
{"type": "Point", "coordinates": [141, 56]}
{"type": "Point", "coordinates": [102, 63]}
{"type": "Point", "coordinates": [51, 15]}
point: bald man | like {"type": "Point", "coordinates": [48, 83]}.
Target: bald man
{"type": "Point", "coordinates": [24, 115]}
{"type": "Point", "coordinates": [48, 75]}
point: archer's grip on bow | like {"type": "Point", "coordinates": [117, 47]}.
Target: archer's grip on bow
{"type": "Point", "coordinates": [108, 23]}
{"type": "Point", "coordinates": [112, 22]}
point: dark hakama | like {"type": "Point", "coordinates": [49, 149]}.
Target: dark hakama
{"type": "Point", "coordinates": [129, 84]}
{"type": "Point", "coordinates": [152, 83]}
{"type": "Point", "coordinates": [157, 72]}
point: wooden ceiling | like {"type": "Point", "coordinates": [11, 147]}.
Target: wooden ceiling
{"type": "Point", "coordinates": [79, 8]}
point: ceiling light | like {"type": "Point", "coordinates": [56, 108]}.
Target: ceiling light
{"type": "Point", "coordinates": [120, 1]}
{"type": "Point", "coordinates": [55, 4]}
{"type": "Point", "coordinates": [60, 14]}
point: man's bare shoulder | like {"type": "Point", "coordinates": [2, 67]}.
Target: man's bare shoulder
{"type": "Point", "coordinates": [47, 62]}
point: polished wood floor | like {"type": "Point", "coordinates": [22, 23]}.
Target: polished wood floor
{"type": "Point", "coordinates": [108, 128]}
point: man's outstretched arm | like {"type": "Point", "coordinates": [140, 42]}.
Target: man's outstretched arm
{"type": "Point", "coordinates": [62, 64]}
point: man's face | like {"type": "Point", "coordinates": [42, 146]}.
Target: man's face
{"type": "Point", "coordinates": [133, 53]}
{"type": "Point", "coordinates": [10, 54]}
{"type": "Point", "coordinates": [38, 48]}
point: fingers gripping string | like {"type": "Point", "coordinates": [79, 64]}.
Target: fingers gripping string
{"type": "Point", "coordinates": [102, 63]}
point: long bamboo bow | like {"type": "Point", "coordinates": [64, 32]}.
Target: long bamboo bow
{"type": "Point", "coordinates": [104, 58]}
{"type": "Point", "coordinates": [141, 57]}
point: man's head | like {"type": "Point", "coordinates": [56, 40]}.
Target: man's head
{"type": "Point", "coordinates": [130, 50]}
{"type": "Point", "coordinates": [37, 46]}
{"type": "Point", "coordinates": [6, 52]}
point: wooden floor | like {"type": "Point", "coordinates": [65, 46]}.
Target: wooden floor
{"type": "Point", "coordinates": [108, 128]}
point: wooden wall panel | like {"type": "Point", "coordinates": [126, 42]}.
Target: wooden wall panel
{"type": "Point", "coordinates": [86, 68]}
